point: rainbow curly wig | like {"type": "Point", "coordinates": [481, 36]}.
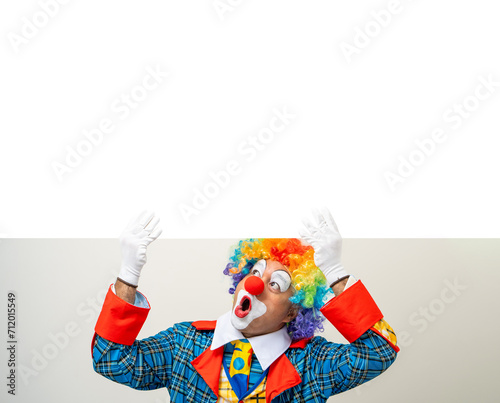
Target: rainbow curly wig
{"type": "Point", "coordinates": [308, 281]}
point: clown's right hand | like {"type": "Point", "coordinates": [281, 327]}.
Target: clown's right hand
{"type": "Point", "coordinates": [134, 240]}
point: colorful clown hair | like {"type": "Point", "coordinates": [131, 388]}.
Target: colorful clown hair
{"type": "Point", "coordinates": [308, 281]}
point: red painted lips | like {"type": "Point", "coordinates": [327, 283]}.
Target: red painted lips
{"type": "Point", "coordinates": [243, 309]}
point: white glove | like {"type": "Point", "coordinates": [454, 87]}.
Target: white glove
{"type": "Point", "coordinates": [323, 235]}
{"type": "Point", "coordinates": [134, 240]}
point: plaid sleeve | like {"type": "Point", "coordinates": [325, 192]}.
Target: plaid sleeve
{"type": "Point", "coordinates": [340, 367]}
{"type": "Point", "coordinates": [145, 365]}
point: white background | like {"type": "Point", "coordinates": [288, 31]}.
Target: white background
{"type": "Point", "coordinates": [227, 72]}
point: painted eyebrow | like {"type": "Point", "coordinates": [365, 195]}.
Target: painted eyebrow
{"type": "Point", "coordinates": [287, 279]}
{"type": "Point", "coordinates": [284, 271]}
{"type": "Point", "coordinates": [261, 264]}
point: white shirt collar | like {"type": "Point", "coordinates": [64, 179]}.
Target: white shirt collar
{"type": "Point", "coordinates": [267, 347]}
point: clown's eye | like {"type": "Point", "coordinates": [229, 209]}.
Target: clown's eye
{"type": "Point", "coordinates": [280, 280]}
{"type": "Point", "coordinates": [255, 272]}
{"type": "Point", "coordinates": [258, 268]}
{"type": "Point", "coordinates": [275, 286]}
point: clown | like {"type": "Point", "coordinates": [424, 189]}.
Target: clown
{"type": "Point", "coordinates": [281, 274]}
{"type": "Point", "coordinates": [263, 348]}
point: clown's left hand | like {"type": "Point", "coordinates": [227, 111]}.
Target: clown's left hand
{"type": "Point", "coordinates": [323, 235]}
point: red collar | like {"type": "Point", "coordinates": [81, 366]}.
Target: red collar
{"type": "Point", "coordinates": [282, 374]}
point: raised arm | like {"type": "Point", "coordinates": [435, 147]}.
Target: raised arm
{"type": "Point", "coordinates": [116, 353]}
{"type": "Point", "coordinates": [372, 348]}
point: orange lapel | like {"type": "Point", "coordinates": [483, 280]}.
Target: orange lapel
{"type": "Point", "coordinates": [282, 375]}
{"type": "Point", "coordinates": [208, 365]}
{"type": "Point", "coordinates": [204, 324]}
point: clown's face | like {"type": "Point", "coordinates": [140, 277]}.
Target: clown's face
{"type": "Point", "coordinates": [269, 310]}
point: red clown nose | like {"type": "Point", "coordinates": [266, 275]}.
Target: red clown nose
{"type": "Point", "coordinates": [254, 285]}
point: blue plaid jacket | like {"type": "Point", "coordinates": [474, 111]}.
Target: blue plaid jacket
{"type": "Point", "coordinates": [180, 360]}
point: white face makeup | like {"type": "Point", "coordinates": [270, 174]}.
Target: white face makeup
{"type": "Point", "coordinates": [259, 268]}
{"type": "Point", "coordinates": [247, 308]}
{"type": "Point", "coordinates": [280, 280]}
{"type": "Point", "coordinates": [269, 310]}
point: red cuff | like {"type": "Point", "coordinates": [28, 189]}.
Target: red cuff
{"type": "Point", "coordinates": [353, 311]}
{"type": "Point", "coordinates": [119, 321]}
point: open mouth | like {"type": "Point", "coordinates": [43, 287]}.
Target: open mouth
{"type": "Point", "coordinates": [243, 309]}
